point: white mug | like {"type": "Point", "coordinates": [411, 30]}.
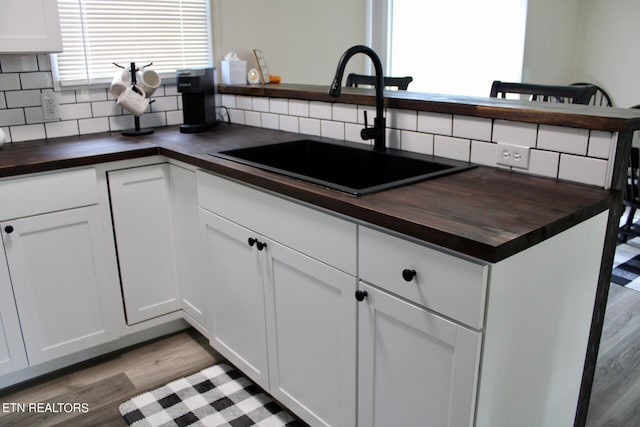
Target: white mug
{"type": "Point", "coordinates": [149, 81]}
{"type": "Point", "coordinates": [121, 80]}
{"type": "Point", "coordinates": [133, 100]}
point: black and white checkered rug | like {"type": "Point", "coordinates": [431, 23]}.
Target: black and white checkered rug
{"type": "Point", "coordinates": [626, 264]}
{"type": "Point", "coordinates": [216, 396]}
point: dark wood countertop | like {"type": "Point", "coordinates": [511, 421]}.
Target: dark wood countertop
{"type": "Point", "coordinates": [580, 116]}
{"type": "Point", "coordinates": [484, 212]}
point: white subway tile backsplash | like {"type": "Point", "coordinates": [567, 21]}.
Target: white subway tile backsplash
{"type": "Point", "coordinates": [69, 97]}
{"type": "Point", "coordinates": [44, 63]}
{"type": "Point", "coordinates": [352, 133]}
{"type": "Point", "coordinates": [153, 120]}
{"type": "Point", "coordinates": [289, 123]}
{"type": "Point", "coordinates": [583, 169]}
{"type": "Point", "coordinates": [96, 125]}
{"type": "Point", "coordinates": [34, 115]}
{"type": "Point", "coordinates": [75, 111]}
{"type": "Point", "coordinates": [393, 138]}
{"type": "Point", "coordinates": [477, 128]}
{"type": "Point", "coordinates": [164, 103]}
{"type": "Point", "coordinates": [18, 63]}
{"type": "Point", "coordinates": [331, 129]}
{"type": "Point", "coordinates": [236, 116]}
{"type": "Point", "coordinates": [243, 102]}
{"type": "Point", "coordinates": [452, 148]}
{"type": "Point", "coordinates": [252, 118]}
{"type": "Point", "coordinates": [484, 153]}
{"type": "Point", "coordinates": [7, 134]}
{"type": "Point", "coordinates": [299, 108]}
{"type": "Point", "coordinates": [544, 163]}
{"type": "Point", "coordinates": [436, 123]}
{"type": "Point", "coordinates": [309, 126]}
{"type": "Point", "coordinates": [118, 123]}
{"type": "Point", "coordinates": [10, 81]}
{"type": "Point", "coordinates": [27, 133]}
{"type": "Point", "coordinates": [228, 101]}
{"type": "Point", "coordinates": [278, 105]}
{"type": "Point", "coordinates": [600, 144]}
{"type": "Point", "coordinates": [61, 129]}
{"type": "Point", "coordinates": [174, 118]}
{"type": "Point", "coordinates": [345, 113]}
{"type": "Point", "coordinates": [3, 102]}
{"type": "Point", "coordinates": [105, 108]}
{"type": "Point", "coordinates": [87, 95]}
{"type": "Point", "coordinates": [171, 89]}
{"type": "Point", "coordinates": [563, 139]}
{"type": "Point", "coordinates": [12, 117]}
{"type": "Point", "coordinates": [260, 103]}
{"type": "Point", "coordinates": [38, 80]}
{"type": "Point", "coordinates": [402, 119]}
{"type": "Point", "coordinates": [417, 141]}
{"type": "Point", "coordinates": [23, 98]}
{"type": "Point", "coordinates": [270, 120]}
{"type": "Point", "coordinates": [515, 133]}
{"type": "Point", "coordinates": [320, 110]}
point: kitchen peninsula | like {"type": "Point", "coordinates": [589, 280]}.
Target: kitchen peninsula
{"type": "Point", "coordinates": [510, 266]}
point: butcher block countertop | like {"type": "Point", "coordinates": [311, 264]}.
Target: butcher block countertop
{"type": "Point", "coordinates": [485, 213]}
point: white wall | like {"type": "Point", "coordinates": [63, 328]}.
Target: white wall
{"type": "Point", "coordinates": [607, 53]}
{"type": "Point", "coordinates": [302, 40]}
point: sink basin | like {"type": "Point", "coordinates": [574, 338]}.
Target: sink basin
{"type": "Point", "coordinates": [349, 168]}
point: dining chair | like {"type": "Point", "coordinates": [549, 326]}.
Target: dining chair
{"type": "Point", "coordinates": [578, 94]}
{"type": "Point", "coordinates": [631, 198]}
{"type": "Point", "coordinates": [600, 99]}
{"type": "Point", "coordinates": [401, 83]}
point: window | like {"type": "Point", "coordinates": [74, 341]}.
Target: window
{"type": "Point", "coordinates": [456, 46]}
{"type": "Point", "coordinates": [172, 34]}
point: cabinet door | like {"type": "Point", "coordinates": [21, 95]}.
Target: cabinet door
{"type": "Point", "coordinates": [12, 355]}
{"type": "Point", "coordinates": [415, 368]}
{"type": "Point", "coordinates": [311, 320]}
{"type": "Point", "coordinates": [61, 278]}
{"type": "Point", "coordinates": [235, 290]}
{"type": "Point", "coordinates": [143, 221]}
{"type": "Point", "coordinates": [188, 245]}
{"type": "Point", "coordinates": [30, 26]}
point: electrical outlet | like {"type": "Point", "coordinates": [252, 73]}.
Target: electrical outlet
{"type": "Point", "coordinates": [513, 155]}
{"type": "Point", "coordinates": [50, 105]}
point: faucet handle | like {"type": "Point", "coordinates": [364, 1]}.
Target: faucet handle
{"type": "Point", "coordinates": [366, 122]}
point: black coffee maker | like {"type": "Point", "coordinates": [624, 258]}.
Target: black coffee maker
{"type": "Point", "coordinates": [197, 86]}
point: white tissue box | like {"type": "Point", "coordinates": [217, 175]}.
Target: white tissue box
{"type": "Point", "coordinates": [233, 72]}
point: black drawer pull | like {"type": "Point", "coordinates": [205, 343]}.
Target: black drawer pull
{"type": "Point", "coordinates": [408, 275]}
{"type": "Point", "coordinates": [8, 229]}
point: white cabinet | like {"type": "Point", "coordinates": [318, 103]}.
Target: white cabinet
{"type": "Point", "coordinates": [30, 26]}
{"type": "Point", "coordinates": [12, 354]}
{"type": "Point", "coordinates": [311, 336]}
{"type": "Point", "coordinates": [188, 246]}
{"type": "Point", "coordinates": [284, 317]}
{"type": "Point", "coordinates": [61, 266]}
{"type": "Point", "coordinates": [415, 368]}
{"type": "Point", "coordinates": [143, 222]}
{"type": "Point", "coordinates": [61, 280]}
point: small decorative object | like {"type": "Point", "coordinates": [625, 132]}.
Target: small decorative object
{"type": "Point", "coordinates": [262, 65]}
{"type": "Point", "coordinates": [3, 138]}
{"type": "Point", "coordinates": [253, 77]}
{"type": "Point", "coordinates": [134, 96]}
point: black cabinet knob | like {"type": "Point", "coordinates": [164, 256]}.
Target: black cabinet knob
{"type": "Point", "coordinates": [252, 241]}
{"type": "Point", "coordinates": [361, 295]}
{"type": "Point", "coordinates": [408, 274]}
{"type": "Point", "coordinates": [8, 229]}
{"type": "Point", "coordinates": [261, 245]}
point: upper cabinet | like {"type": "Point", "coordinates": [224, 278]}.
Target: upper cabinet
{"type": "Point", "coordinates": [29, 26]}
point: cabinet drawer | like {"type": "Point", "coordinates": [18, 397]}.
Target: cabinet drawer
{"type": "Point", "coordinates": [321, 236]}
{"type": "Point", "coordinates": [443, 283]}
{"type": "Point", "coordinates": [38, 194]}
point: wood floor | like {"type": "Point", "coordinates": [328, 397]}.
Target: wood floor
{"type": "Point", "coordinates": [106, 382]}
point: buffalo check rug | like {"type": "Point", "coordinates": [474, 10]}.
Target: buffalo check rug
{"type": "Point", "coordinates": [216, 396]}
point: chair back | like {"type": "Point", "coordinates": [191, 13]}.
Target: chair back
{"type": "Point", "coordinates": [401, 83]}
{"type": "Point", "coordinates": [580, 94]}
{"type": "Point", "coordinates": [601, 97]}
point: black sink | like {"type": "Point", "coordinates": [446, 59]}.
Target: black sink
{"type": "Point", "coordinates": [345, 167]}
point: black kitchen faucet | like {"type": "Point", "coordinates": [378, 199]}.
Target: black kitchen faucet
{"type": "Point", "coordinates": [378, 131]}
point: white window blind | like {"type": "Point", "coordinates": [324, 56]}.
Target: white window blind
{"type": "Point", "coordinates": [172, 34]}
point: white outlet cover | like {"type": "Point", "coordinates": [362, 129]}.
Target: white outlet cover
{"type": "Point", "coordinates": [516, 156]}
{"type": "Point", "coordinates": [50, 105]}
